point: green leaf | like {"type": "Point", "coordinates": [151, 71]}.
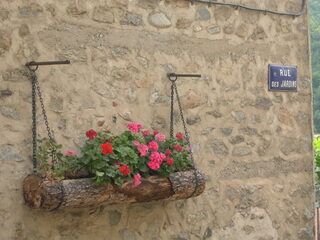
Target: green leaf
{"type": "Point", "coordinates": [99, 174]}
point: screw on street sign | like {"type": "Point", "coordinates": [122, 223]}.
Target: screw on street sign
{"type": "Point", "coordinates": [282, 78]}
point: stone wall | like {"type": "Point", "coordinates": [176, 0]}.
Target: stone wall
{"type": "Point", "coordinates": [254, 145]}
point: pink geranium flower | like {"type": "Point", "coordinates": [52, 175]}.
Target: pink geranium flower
{"type": "Point", "coordinates": [146, 132]}
{"type": "Point", "coordinates": [154, 165]}
{"type": "Point", "coordinates": [157, 157]}
{"type": "Point", "coordinates": [143, 149]}
{"type": "Point", "coordinates": [153, 145]}
{"type": "Point", "coordinates": [71, 153]}
{"type": "Point", "coordinates": [137, 181]}
{"type": "Point", "coordinates": [134, 127]}
{"type": "Point", "coordinates": [160, 137]}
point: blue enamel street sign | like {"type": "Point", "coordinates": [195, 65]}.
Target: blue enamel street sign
{"type": "Point", "coordinates": [282, 78]}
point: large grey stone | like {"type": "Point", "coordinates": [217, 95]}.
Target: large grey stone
{"type": "Point", "coordinates": [207, 234]}
{"type": "Point", "coordinates": [4, 14]}
{"type": "Point", "coordinates": [56, 104]}
{"type": "Point", "coordinates": [126, 234]}
{"type": "Point", "coordinates": [5, 93]}
{"type": "Point", "coordinates": [104, 89]}
{"type": "Point", "coordinates": [132, 19]}
{"type": "Point", "coordinates": [193, 120]}
{"type": "Point", "coordinates": [203, 14]}
{"type": "Point", "coordinates": [241, 151]}
{"type": "Point", "coordinates": [239, 116]}
{"type": "Point", "coordinates": [102, 15]}
{"type": "Point", "coordinates": [30, 10]}
{"type": "Point", "coordinates": [157, 97]}
{"type": "Point", "coordinates": [159, 20]}
{"type": "Point", "coordinates": [219, 148]}
{"type": "Point", "coordinates": [181, 236]}
{"type": "Point", "coordinates": [215, 114]}
{"type": "Point", "coordinates": [213, 29]}
{"type": "Point", "coordinates": [226, 131]}
{"type": "Point", "coordinates": [114, 217]}
{"type": "Point", "coordinates": [183, 23]}
{"type": "Point", "coordinates": [9, 113]}
{"type": "Point", "coordinates": [5, 42]}
{"type": "Point", "coordinates": [8, 152]}
{"type": "Point", "coordinates": [263, 103]}
{"type": "Point", "coordinates": [236, 139]}
{"type": "Point", "coordinates": [248, 131]}
{"type": "Point", "coordinates": [15, 75]}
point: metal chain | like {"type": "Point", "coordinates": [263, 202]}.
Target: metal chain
{"type": "Point", "coordinates": [34, 122]}
{"type": "Point", "coordinates": [183, 121]}
{"type": "Point", "coordinates": [35, 90]}
{"type": "Point", "coordinates": [171, 111]}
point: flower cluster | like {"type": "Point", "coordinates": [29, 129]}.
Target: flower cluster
{"type": "Point", "coordinates": [133, 155]}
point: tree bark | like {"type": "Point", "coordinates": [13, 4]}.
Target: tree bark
{"type": "Point", "coordinates": [74, 193]}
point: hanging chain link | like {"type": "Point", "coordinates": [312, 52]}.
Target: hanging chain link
{"type": "Point", "coordinates": [35, 90]}
{"type": "Point", "coordinates": [174, 90]}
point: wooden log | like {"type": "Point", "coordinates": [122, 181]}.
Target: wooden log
{"type": "Point", "coordinates": [74, 193]}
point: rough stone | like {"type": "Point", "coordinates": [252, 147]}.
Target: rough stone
{"type": "Point", "coordinates": [203, 14]}
{"type": "Point", "coordinates": [126, 234]}
{"type": "Point", "coordinates": [263, 103]}
{"type": "Point", "coordinates": [131, 95]}
{"type": "Point", "coordinates": [102, 15]}
{"type": "Point", "coordinates": [197, 28]}
{"type": "Point", "coordinates": [120, 74]}
{"type": "Point", "coordinates": [5, 93]}
{"type": "Point", "coordinates": [114, 217]}
{"type": "Point", "coordinates": [219, 148]}
{"type": "Point", "coordinates": [242, 30]}
{"type": "Point", "coordinates": [104, 89]}
{"type": "Point", "coordinates": [215, 114]}
{"type": "Point", "coordinates": [259, 34]}
{"type": "Point", "coordinates": [4, 14]}
{"type": "Point", "coordinates": [228, 29]}
{"type": "Point", "coordinates": [248, 131]}
{"type": "Point", "coordinates": [226, 131]}
{"type": "Point", "coordinates": [132, 19]}
{"type": "Point", "coordinates": [15, 75]}
{"type": "Point", "coordinates": [159, 20]}
{"type": "Point", "coordinates": [193, 120]}
{"type": "Point", "coordinates": [183, 23]}
{"type": "Point", "coordinates": [241, 151]}
{"type": "Point", "coordinates": [214, 29]}
{"type": "Point", "coordinates": [24, 30]}
{"type": "Point", "coordinates": [8, 153]}
{"type": "Point", "coordinates": [236, 139]}
{"type": "Point", "coordinates": [159, 123]}
{"type": "Point", "coordinates": [56, 104]}
{"type": "Point", "coordinates": [10, 113]}
{"type": "Point", "coordinates": [192, 100]}
{"type": "Point", "coordinates": [239, 117]}
{"type": "Point", "coordinates": [5, 42]}
{"type": "Point", "coordinates": [207, 131]}
{"type": "Point", "coordinates": [207, 234]}
{"type": "Point", "coordinates": [156, 97]}
{"type": "Point", "coordinates": [181, 236]}
{"type": "Point", "coordinates": [75, 11]}
{"type": "Point", "coordinates": [62, 124]}
{"type": "Point", "coordinates": [30, 10]}
{"type": "Point", "coordinates": [144, 82]}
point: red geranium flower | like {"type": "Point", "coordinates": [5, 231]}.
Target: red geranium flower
{"type": "Point", "coordinates": [155, 132]}
{"type": "Point", "coordinates": [168, 152]}
{"type": "Point", "coordinates": [124, 169]}
{"type": "Point", "coordinates": [178, 148]}
{"type": "Point", "coordinates": [91, 134]}
{"type": "Point", "coordinates": [169, 161]}
{"type": "Point", "coordinates": [106, 148]}
{"type": "Point", "coordinates": [179, 136]}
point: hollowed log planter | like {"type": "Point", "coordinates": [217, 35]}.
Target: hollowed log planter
{"type": "Point", "coordinates": [75, 193]}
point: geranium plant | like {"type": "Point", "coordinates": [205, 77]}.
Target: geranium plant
{"type": "Point", "coordinates": [113, 159]}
